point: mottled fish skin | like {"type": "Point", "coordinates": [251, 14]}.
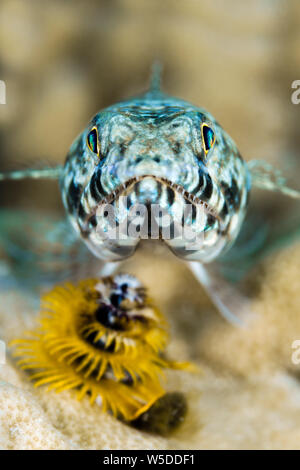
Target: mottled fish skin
{"type": "Point", "coordinates": [152, 152]}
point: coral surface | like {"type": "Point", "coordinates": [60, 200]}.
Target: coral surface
{"type": "Point", "coordinates": [248, 395]}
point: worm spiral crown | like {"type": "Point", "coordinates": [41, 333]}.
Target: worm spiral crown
{"type": "Point", "coordinates": [103, 338]}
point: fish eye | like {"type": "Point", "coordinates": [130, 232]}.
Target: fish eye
{"type": "Point", "coordinates": [208, 137]}
{"type": "Point", "coordinates": [93, 141]}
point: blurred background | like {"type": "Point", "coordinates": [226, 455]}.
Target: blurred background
{"type": "Point", "coordinates": [62, 61]}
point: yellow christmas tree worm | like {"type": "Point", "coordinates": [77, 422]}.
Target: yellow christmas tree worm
{"type": "Point", "coordinates": [103, 338]}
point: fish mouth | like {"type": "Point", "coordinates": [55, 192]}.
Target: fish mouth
{"type": "Point", "coordinates": [177, 188]}
{"type": "Point", "coordinates": [114, 227]}
{"type": "Point", "coordinates": [125, 187]}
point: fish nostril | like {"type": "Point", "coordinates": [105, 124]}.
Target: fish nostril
{"type": "Point", "coordinates": [154, 159]}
